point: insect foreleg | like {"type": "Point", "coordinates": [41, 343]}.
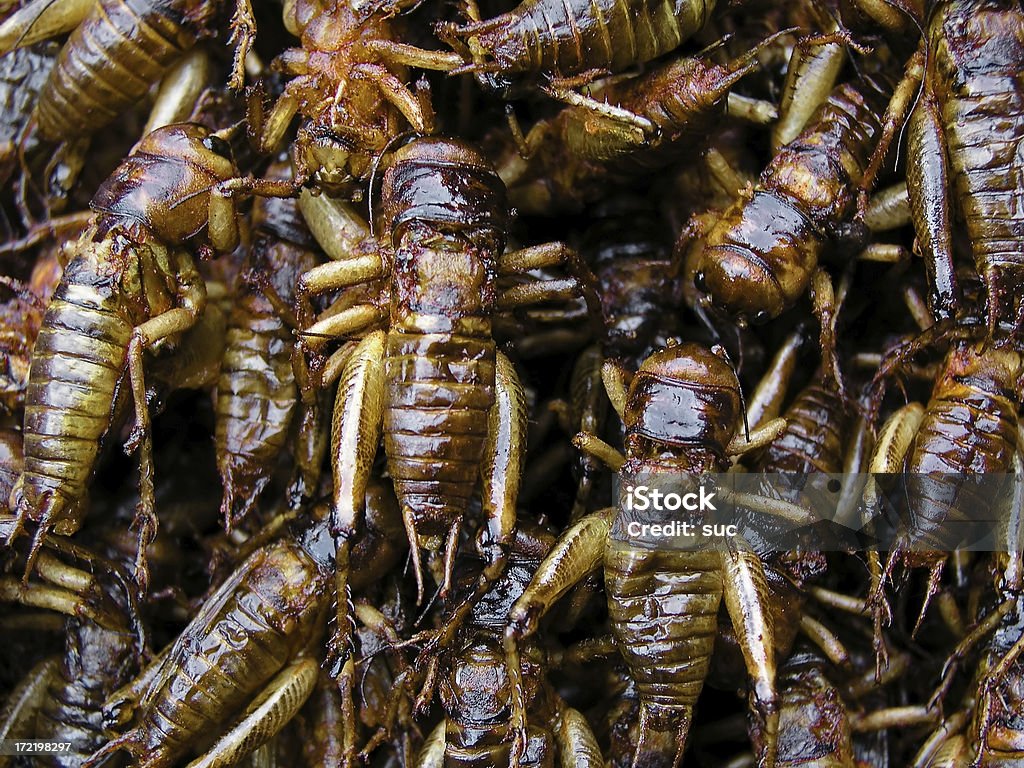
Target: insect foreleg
{"type": "Point", "coordinates": [747, 598]}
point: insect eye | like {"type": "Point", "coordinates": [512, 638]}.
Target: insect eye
{"type": "Point", "coordinates": [761, 318]}
{"type": "Point", "coordinates": [218, 146]}
{"type": "Point", "coordinates": [700, 282]}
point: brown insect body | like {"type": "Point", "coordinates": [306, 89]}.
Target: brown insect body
{"type": "Point", "coordinates": [268, 612]}
{"type": "Point", "coordinates": [476, 689]}
{"type": "Point", "coordinates": [969, 427]}
{"type": "Point", "coordinates": [681, 412]}
{"type": "Point", "coordinates": [261, 618]}
{"type": "Point", "coordinates": [629, 251]}
{"type": "Point", "coordinates": [997, 720]}
{"type": "Point", "coordinates": [349, 80]}
{"type": "Point", "coordinates": [540, 37]}
{"type": "Point", "coordinates": [446, 213]}
{"type": "Point", "coordinates": [96, 662]}
{"type": "Point", "coordinates": [577, 153]}
{"type": "Point", "coordinates": [976, 93]}
{"type": "Point", "coordinates": [131, 265]}
{"type": "Point", "coordinates": [759, 257]}
{"type": "Point", "coordinates": [814, 726]}
{"type": "Point", "coordinates": [113, 58]}
{"type": "Point", "coordinates": [257, 395]}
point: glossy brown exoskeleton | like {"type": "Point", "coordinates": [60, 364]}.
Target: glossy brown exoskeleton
{"type": "Point", "coordinates": [131, 285]}
{"type": "Point", "coordinates": [682, 413]}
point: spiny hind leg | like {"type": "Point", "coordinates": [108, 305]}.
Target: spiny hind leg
{"type": "Point", "coordinates": [144, 337]}
{"type": "Point", "coordinates": [747, 599]}
{"type": "Point", "coordinates": [893, 443]}
{"type": "Point", "coordinates": [576, 554]}
{"type": "Point", "coordinates": [355, 435]}
{"type": "Point", "coordinates": [991, 679]}
{"type": "Point", "coordinates": [825, 309]}
{"type": "Point", "coordinates": [581, 283]}
{"type": "Point", "coordinates": [243, 35]}
{"type": "Point", "coordinates": [268, 713]}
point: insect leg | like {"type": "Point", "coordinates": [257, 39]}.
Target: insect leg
{"type": "Point", "coordinates": [177, 320]}
{"type": "Point", "coordinates": [243, 35]}
{"type": "Point", "coordinates": [888, 208]}
{"type": "Point", "coordinates": [582, 283]}
{"type": "Point", "coordinates": [600, 450]}
{"type": "Point", "coordinates": [756, 111]}
{"type": "Point", "coordinates": [397, 94]}
{"type": "Point", "coordinates": [268, 713]}
{"type": "Point", "coordinates": [502, 468]}
{"type": "Point", "coordinates": [892, 445]}
{"type": "Point", "coordinates": [40, 20]}
{"type": "Point", "coordinates": [355, 435]}
{"type": "Point", "coordinates": [810, 77]}
{"type": "Point", "coordinates": [903, 98]}
{"type": "Point", "coordinates": [575, 739]}
{"type": "Point", "coordinates": [335, 225]}
{"type": "Point", "coordinates": [928, 182]}
{"type": "Point", "coordinates": [746, 599]}
{"type": "Point", "coordinates": [766, 402]}
{"type": "Point", "coordinates": [432, 753]}
{"type": "Point", "coordinates": [50, 597]}
{"type": "Point", "coordinates": [826, 640]}
{"type": "Point", "coordinates": [990, 680]}
{"type": "Point", "coordinates": [268, 131]}
{"type": "Point", "coordinates": [180, 89]}
{"type": "Point", "coordinates": [759, 437]}
{"type": "Point", "coordinates": [616, 381]}
{"type": "Point", "coordinates": [823, 301]}
{"type": "Point", "coordinates": [403, 54]}
{"type": "Point", "coordinates": [17, 720]}
{"type": "Point", "coordinates": [577, 554]}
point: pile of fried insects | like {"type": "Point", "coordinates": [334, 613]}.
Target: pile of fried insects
{"type": "Point", "coordinates": [333, 331]}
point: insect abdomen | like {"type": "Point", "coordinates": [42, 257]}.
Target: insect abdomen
{"type": "Point", "coordinates": [440, 389]}
{"type": "Point", "coordinates": [77, 362]}
{"type": "Point", "coordinates": [663, 608]}
{"type": "Point", "coordinates": [983, 112]}
{"type": "Point", "coordinates": [219, 666]}
{"type": "Point", "coordinates": [256, 400]}
{"type": "Point", "coordinates": [570, 37]}
{"type": "Point", "coordinates": [96, 663]}
{"type": "Point", "coordinates": [110, 62]}
{"type": "Point", "coordinates": [813, 439]}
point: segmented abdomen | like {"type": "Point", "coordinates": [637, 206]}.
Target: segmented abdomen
{"type": "Point", "coordinates": [96, 663]}
{"type": "Point", "coordinates": [256, 401]}
{"type": "Point", "coordinates": [110, 62]}
{"type": "Point", "coordinates": [760, 256]}
{"type": "Point", "coordinates": [663, 608]}
{"type": "Point", "coordinates": [571, 36]}
{"type": "Point", "coordinates": [440, 388]}
{"type": "Point", "coordinates": [813, 438]}
{"type": "Point", "coordinates": [218, 665]}
{"type": "Point", "coordinates": [983, 112]}
{"type": "Point", "coordinates": [957, 442]}
{"type": "Point", "coordinates": [78, 359]}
